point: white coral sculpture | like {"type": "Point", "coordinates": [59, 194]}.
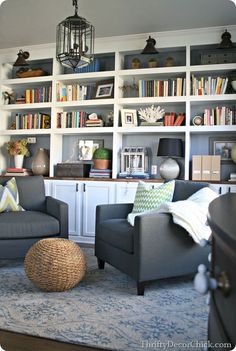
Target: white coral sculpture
{"type": "Point", "coordinates": [151, 114]}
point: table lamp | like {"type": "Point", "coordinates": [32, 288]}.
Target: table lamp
{"type": "Point", "coordinates": [170, 148]}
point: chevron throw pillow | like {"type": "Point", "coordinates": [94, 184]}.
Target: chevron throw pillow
{"type": "Point", "coordinates": [9, 197]}
{"type": "Point", "coordinates": [147, 198]}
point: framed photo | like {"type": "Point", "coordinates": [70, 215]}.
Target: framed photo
{"type": "Point", "coordinates": [222, 146]}
{"type": "Point", "coordinates": [104, 90]}
{"type": "Point", "coordinates": [87, 148]}
{"type": "Point", "coordinates": [129, 118]}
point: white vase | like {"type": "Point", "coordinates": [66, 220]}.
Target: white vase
{"type": "Point", "coordinates": [40, 163]}
{"type": "Point", "coordinates": [233, 153]}
{"type": "Point", "coordinates": [18, 160]}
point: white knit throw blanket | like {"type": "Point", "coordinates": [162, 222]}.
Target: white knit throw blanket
{"type": "Point", "coordinates": [191, 214]}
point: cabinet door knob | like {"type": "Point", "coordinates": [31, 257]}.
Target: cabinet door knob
{"type": "Point", "coordinates": [203, 282]}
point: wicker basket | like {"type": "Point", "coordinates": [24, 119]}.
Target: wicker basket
{"type": "Point", "coordinates": [55, 264]}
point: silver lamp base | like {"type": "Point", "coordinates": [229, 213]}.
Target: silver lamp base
{"type": "Point", "coordinates": [169, 169]}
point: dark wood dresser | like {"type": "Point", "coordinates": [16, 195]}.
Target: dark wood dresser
{"type": "Point", "coordinates": [222, 318]}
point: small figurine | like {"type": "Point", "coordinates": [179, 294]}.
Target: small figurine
{"type": "Point", "coordinates": [169, 62]}
{"type": "Point", "coordinates": [136, 63]}
{"type": "Point", "coordinates": [8, 97]}
{"type": "Point", "coordinates": [152, 63]}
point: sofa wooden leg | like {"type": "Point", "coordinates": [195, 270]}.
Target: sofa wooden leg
{"type": "Point", "coordinates": [140, 288]}
{"type": "Point", "coordinates": [101, 263]}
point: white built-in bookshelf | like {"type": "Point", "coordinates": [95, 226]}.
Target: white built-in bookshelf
{"type": "Point", "coordinates": [115, 55]}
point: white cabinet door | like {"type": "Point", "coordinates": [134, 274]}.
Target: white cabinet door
{"type": "Point", "coordinates": [94, 193]}
{"type": "Point", "coordinates": [68, 191]}
{"type": "Point", "coordinates": [48, 187]}
{"type": "Point", "coordinates": [125, 192]}
{"type": "Point", "coordinates": [224, 188]}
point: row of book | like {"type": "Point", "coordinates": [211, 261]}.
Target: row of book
{"type": "Point", "coordinates": [162, 88]}
{"type": "Point", "coordinates": [36, 95]}
{"type": "Point", "coordinates": [100, 173]}
{"type": "Point", "coordinates": [75, 92]}
{"type": "Point", "coordinates": [77, 119]}
{"type": "Point", "coordinates": [219, 116]}
{"type": "Point", "coordinates": [32, 121]}
{"type": "Point", "coordinates": [92, 67]}
{"type": "Point", "coordinates": [170, 119]}
{"type": "Point", "coordinates": [209, 85]}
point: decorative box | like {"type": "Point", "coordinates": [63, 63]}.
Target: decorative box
{"type": "Point", "coordinates": [214, 57]}
{"type": "Point", "coordinates": [73, 170]}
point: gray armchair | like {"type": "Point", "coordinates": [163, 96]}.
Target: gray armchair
{"type": "Point", "coordinates": [154, 248]}
{"type": "Point", "coordinates": [43, 217]}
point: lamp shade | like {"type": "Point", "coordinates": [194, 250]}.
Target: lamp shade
{"type": "Point", "coordinates": [170, 147]}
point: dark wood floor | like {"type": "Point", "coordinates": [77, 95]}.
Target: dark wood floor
{"type": "Point", "coordinates": [11, 341]}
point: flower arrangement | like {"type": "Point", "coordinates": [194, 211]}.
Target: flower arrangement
{"type": "Point", "coordinates": [18, 147]}
{"type": "Point", "coordinates": [151, 114]}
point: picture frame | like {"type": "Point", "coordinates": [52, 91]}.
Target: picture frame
{"type": "Point", "coordinates": [222, 146]}
{"type": "Point", "coordinates": [87, 147]}
{"type": "Point", "coordinates": [104, 90]}
{"type": "Point", "coordinates": [129, 118]}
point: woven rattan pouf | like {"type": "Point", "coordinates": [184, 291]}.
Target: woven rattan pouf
{"type": "Point", "coordinates": [55, 264]}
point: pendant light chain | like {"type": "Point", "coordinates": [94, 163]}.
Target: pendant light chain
{"type": "Point", "coordinates": [75, 4]}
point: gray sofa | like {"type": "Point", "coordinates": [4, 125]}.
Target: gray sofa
{"type": "Point", "coordinates": [154, 248]}
{"type": "Point", "coordinates": [43, 217]}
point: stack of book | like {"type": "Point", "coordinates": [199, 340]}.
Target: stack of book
{"type": "Point", "coordinates": [232, 177]}
{"type": "Point", "coordinates": [15, 172]}
{"type": "Point", "coordinates": [94, 123]}
{"type": "Point", "coordinates": [100, 173]}
{"type": "Point", "coordinates": [134, 175]}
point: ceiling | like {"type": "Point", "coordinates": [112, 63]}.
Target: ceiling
{"type": "Point", "coordinates": [28, 22]}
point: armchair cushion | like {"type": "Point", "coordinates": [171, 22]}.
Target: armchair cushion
{"type": "Point", "coordinates": [118, 233]}
{"type": "Point", "coordinates": [31, 193]}
{"type": "Point", "coordinates": [9, 197]}
{"type": "Point", "coordinates": [27, 224]}
{"type": "Point", "coordinates": [148, 198]}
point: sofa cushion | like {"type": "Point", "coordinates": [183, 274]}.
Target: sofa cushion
{"type": "Point", "coordinates": [27, 224]}
{"type": "Point", "coordinates": [9, 197]}
{"type": "Point", "coordinates": [31, 193]}
{"type": "Point", "coordinates": [148, 198]}
{"type": "Point", "coordinates": [118, 233]}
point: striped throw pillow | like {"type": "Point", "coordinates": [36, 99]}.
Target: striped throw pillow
{"type": "Point", "coordinates": [9, 197]}
{"type": "Point", "coordinates": [147, 198]}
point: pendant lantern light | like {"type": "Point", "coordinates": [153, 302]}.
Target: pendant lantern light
{"type": "Point", "coordinates": [75, 41]}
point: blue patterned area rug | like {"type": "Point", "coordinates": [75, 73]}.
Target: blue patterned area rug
{"type": "Point", "coordinates": [104, 310]}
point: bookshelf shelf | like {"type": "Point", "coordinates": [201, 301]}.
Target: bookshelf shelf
{"type": "Point", "coordinates": [115, 64]}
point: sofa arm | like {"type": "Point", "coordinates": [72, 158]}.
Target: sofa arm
{"type": "Point", "coordinates": [112, 211]}
{"type": "Point", "coordinates": [59, 210]}
{"type": "Point", "coordinates": [157, 240]}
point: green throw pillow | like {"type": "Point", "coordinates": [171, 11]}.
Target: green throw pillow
{"type": "Point", "coordinates": [147, 198]}
{"type": "Point", "coordinates": [9, 197]}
